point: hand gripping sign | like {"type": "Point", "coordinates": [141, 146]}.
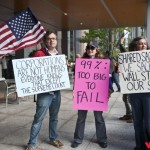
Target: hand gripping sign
{"type": "Point", "coordinates": [91, 84]}
{"type": "Point", "coordinates": [40, 74]}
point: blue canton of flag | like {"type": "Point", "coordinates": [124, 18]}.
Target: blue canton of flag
{"type": "Point", "coordinates": [22, 23]}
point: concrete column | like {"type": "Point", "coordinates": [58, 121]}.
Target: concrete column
{"type": "Point", "coordinates": [0, 70]}
{"type": "Point", "coordinates": [110, 40]}
{"type": "Point", "coordinates": [64, 42]}
{"type": "Point", "coordinates": [138, 31]}
{"type": "Point", "coordinates": [79, 47]}
{"type": "Point", "coordinates": [59, 37]}
{"type": "Point", "coordinates": [147, 28]}
{"type": "Point", "coordinates": [74, 44]}
{"type": "Point", "coordinates": [68, 45]}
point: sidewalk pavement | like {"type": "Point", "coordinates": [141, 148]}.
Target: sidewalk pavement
{"type": "Point", "coordinates": [15, 124]}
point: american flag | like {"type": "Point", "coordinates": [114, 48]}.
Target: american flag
{"type": "Point", "coordinates": [23, 30]}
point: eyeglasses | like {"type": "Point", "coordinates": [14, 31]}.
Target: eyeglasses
{"type": "Point", "coordinates": [52, 39]}
{"type": "Point", "coordinates": [90, 48]}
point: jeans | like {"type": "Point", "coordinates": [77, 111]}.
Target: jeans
{"type": "Point", "coordinates": [44, 102]}
{"type": "Point", "coordinates": [115, 80]}
{"type": "Point", "coordinates": [110, 85]}
{"type": "Point", "coordinates": [140, 103]}
{"type": "Point", "coordinates": [99, 123]}
{"type": "Point", "coordinates": [126, 101]}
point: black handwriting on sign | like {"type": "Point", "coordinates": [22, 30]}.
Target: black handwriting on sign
{"type": "Point", "coordinates": [82, 97]}
{"type": "Point", "coordinates": [88, 64]}
{"type": "Point", "coordinates": [98, 65]}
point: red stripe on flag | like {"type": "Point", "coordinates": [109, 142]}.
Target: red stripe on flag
{"type": "Point", "coordinates": [25, 41]}
{"type": "Point", "coordinates": [9, 38]}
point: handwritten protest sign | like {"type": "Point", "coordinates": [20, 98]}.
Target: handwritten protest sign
{"type": "Point", "coordinates": [91, 84]}
{"type": "Point", "coordinates": [40, 74]}
{"type": "Point", "coordinates": [135, 71]}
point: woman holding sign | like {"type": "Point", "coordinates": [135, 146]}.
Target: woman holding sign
{"type": "Point", "coordinates": [91, 53]}
{"type": "Point", "coordinates": [49, 101]}
{"type": "Point", "coordinates": [140, 103]}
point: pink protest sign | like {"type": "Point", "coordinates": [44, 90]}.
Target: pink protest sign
{"type": "Point", "coordinates": [91, 84]}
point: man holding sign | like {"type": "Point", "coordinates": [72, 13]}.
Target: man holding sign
{"type": "Point", "coordinates": [46, 101]}
{"type": "Point", "coordinates": [135, 80]}
{"type": "Point", "coordinates": [91, 93]}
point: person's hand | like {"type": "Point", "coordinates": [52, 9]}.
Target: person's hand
{"type": "Point", "coordinates": [119, 70]}
{"type": "Point", "coordinates": [122, 40]}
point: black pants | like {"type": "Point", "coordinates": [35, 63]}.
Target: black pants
{"type": "Point", "coordinates": [99, 123]}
